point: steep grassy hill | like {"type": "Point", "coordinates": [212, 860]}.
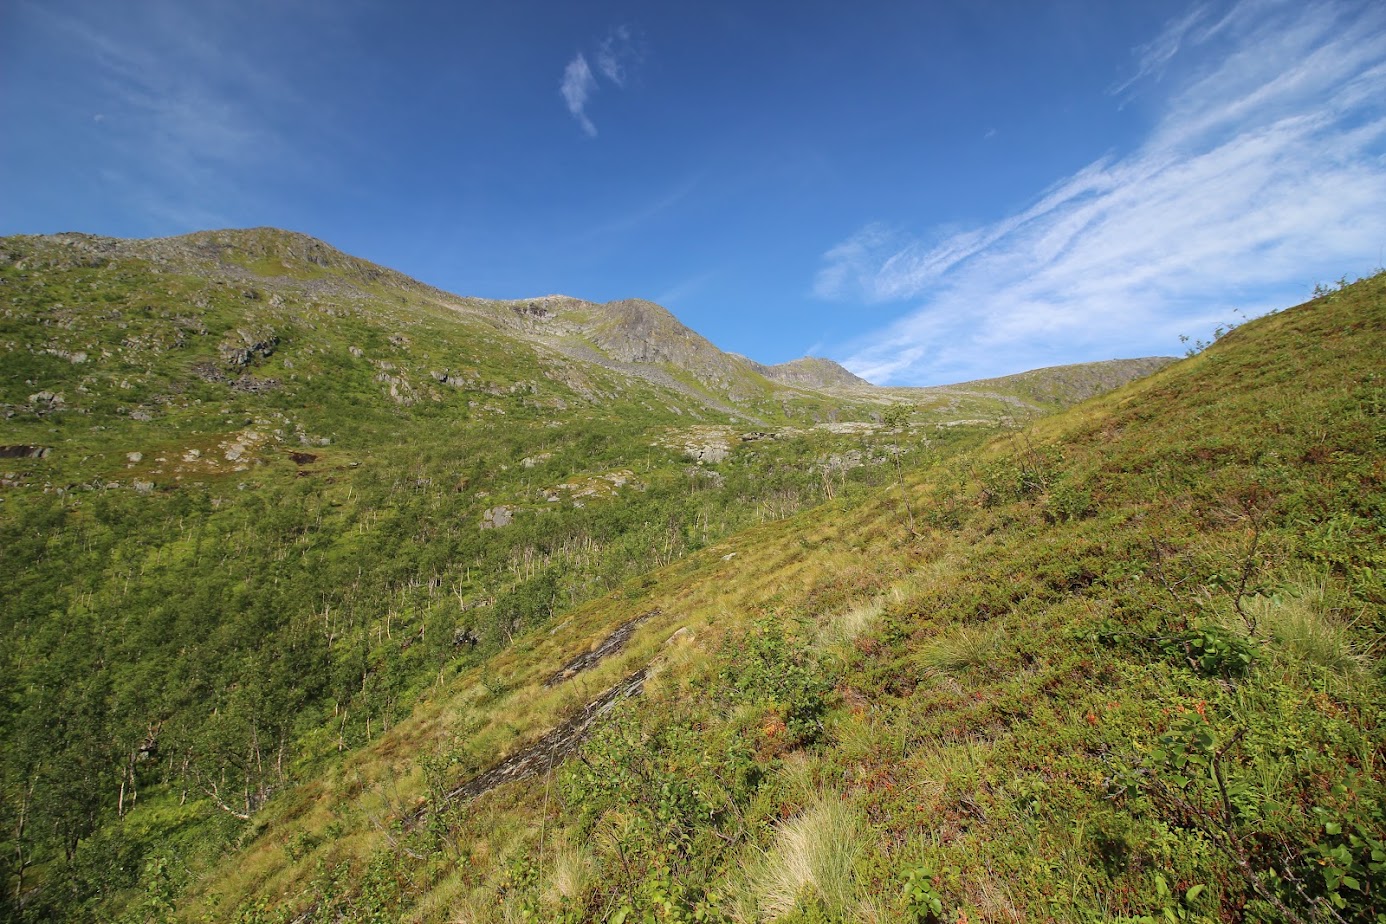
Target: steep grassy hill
{"type": "Point", "coordinates": [260, 501]}
{"type": "Point", "coordinates": [1121, 665]}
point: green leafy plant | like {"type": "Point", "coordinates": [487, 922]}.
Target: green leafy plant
{"type": "Point", "coordinates": [1213, 650]}
{"type": "Point", "coordinates": [921, 900]}
{"type": "Point", "coordinates": [1351, 857]}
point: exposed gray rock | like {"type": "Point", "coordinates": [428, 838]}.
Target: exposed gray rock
{"type": "Point", "coordinates": [452, 381]}
{"type": "Point", "coordinates": [24, 452]}
{"type": "Point", "coordinates": [813, 372]}
{"type": "Point", "coordinates": [600, 651]}
{"type": "Point", "coordinates": [497, 517]}
{"type": "Point", "coordinates": [401, 392]}
{"type": "Point", "coordinates": [710, 452]}
{"type": "Point", "coordinates": [45, 402]}
{"type": "Point", "coordinates": [252, 385]}
{"type": "Point", "coordinates": [549, 750]}
{"type": "Point", "coordinates": [208, 372]}
{"type": "Point", "coordinates": [534, 310]}
{"type": "Point", "coordinates": [246, 346]}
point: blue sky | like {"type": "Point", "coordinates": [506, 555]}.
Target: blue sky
{"type": "Point", "coordinates": [927, 192]}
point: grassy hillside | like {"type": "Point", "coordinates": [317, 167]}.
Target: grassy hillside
{"type": "Point", "coordinates": [1121, 665]}
{"type": "Point", "coordinates": [261, 502]}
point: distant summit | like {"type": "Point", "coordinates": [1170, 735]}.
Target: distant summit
{"type": "Point", "coordinates": [814, 372]}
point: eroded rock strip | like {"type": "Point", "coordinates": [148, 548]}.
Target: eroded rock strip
{"type": "Point", "coordinates": [609, 646]}
{"type": "Point", "coordinates": [550, 750]}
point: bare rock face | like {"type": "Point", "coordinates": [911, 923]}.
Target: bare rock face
{"type": "Point", "coordinates": [76, 358]}
{"type": "Point", "coordinates": [45, 402]}
{"type": "Point", "coordinates": [458, 379]}
{"type": "Point", "coordinates": [24, 452]}
{"type": "Point", "coordinates": [398, 387]}
{"type": "Point", "coordinates": [534, 310]}
{"type": "Point", "coordinates": [708, 445]}
{"type": "Point", "coordinates": [246, 346]}
{"type": "Point", "coordinates": [813, 372]}
{"type": "Point", "coordinates": [497, 517]}
{"type": "Point", "coordinates": [710, 452]}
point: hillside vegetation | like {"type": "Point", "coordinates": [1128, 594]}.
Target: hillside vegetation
{"type": "Point", "coordinates": [1124, 665]}
{"type": "Point", "coordinates": [265, 506]}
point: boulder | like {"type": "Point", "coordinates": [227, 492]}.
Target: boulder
{"type": "Point", "coordinates": [497, 517]}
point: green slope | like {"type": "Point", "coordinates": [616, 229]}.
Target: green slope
{"type": "Point", "coordinates": [1125, 667]}
{"type": "Point", "coordinates": [261, 502]}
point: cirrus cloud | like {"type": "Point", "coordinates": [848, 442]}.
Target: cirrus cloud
{"type": "Point", "coordinates": [1265, 172]}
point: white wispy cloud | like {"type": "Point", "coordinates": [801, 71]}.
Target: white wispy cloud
{"type": "Point", "coordinates": [619, 51]}
{"type": "Point", "coordinates": [577, 87]}
{"type": "Point", "coordinates": [1265, 173]}
{"type": "Point", "coordinates": [1152, 56]}
{"type": "Point", "coordinates": [189, 113]}
{"type": "Point", "coordinates": [617, 54]}
{"type": "Point", "coordinates": [676, 294]}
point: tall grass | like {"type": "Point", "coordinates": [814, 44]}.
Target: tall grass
{"type": "Point", "coordinates": [569, 875]}
{"type": "Point", "coordinates": [813, 856]}
{"type": "Point", "coordinates": [1307, 634]}
{"type": "Point", "coordinates": [963, 649]}
{"type": "Point", "coordinates": [846, 627]}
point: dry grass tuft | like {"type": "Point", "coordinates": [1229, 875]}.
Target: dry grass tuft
{"type": "Point", "coordinates": [814, 852]}
{"type": "Point", "coordinates": [964, 649]}
{"type": "Point", "coordinates": [571, 869]}
{"type": "Point", "coordinates": [1305, 631]}
{"type": "Point", "coordinates": [845, 628]}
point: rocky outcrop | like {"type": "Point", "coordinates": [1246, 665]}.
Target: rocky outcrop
{"type": "Point", "coordinates": [702, 444]}
{"type": "Point", "coordinates": [608, 646]}
{"type": "Point", "coordinates": [550, 750]}
{"type": "Point", "coordinates": [813, 372]}
{"type": "Point", "coordinates": [46, 402]}
{"type": "Point", "coordinates": [497, 517]}
{"type": "Point", "coordinates": [24, 452]}
{"type": "Point", "coordinates": [244, 347]}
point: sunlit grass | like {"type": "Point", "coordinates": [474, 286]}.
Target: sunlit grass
{"type": "Point", "coordinates": [1305, 632]}
{"type": "Point", "coordinates": [968, 648]}
{"type": "Point", "coordinates": [814, 856]}
{"type": "Point", "coordinates": [905, 761]}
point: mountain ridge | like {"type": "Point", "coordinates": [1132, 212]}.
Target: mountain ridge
{"type": "Point", "coordinates": [635, 335]}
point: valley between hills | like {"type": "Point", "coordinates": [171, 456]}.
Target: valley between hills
{"type": "Point", "coordinates": [332, 596]}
